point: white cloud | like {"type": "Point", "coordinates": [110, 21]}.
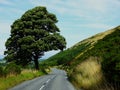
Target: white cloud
{"type": "Point", "coordinates": [97, 26]}
{"type": "Point", "coordinates": [92, 10]}
{"type": "Point", "coordinates": [2, 46]}
{"type": "Point", "coordinates": [96, 5]}
{"type": "Point", "coordinates": [4, 28]}
{"type": "Point", "coordinates": [11, 12]}
{"type": "Point", "coordinates": [6, 2]}
{"type": "Point", "coordinates": [4, 34]}
{"type": "Point", "coordinates": [1, 9]}
{"type": "Point", "coordinates": [78, 7]}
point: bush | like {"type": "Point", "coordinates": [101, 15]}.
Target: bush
{"type": "Point", "coordinates": [12, 68]}
{"type": "Point", "coordinates": [2, 73]}
{"type": "Point", "coordinates": [43, 68]}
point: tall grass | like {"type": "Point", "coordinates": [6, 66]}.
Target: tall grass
{"type": "Point", "coordinates": [12, 80]}
{"type": "Point", "coordinates": [88, 76]}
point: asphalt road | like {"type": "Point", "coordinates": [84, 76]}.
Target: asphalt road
{"type": "Point", "coordinates": [57, 80]}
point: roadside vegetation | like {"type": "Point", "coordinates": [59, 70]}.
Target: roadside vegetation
{"type": "Point", "coordinates": [12, 74]}
{"type": "Point", "coordinates": [94, 63]}
{"type": "Point", "coordinates": [88, 75]}
{"type": "Point", "coordinates": [12, 80]}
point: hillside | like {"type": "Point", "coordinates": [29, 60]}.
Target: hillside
{"type": "Point", "coordinates": [99, 63]}
{"type": "Point", "coordinates": [92, 61]}
{"type": "Point", "coordinates": [66, 56]}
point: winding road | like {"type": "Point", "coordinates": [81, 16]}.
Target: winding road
{"type": "Point", "coordinates": [57, 80]}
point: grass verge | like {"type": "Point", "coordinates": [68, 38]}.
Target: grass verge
{"type": "Point", "coordinates": [88, 76]}
{"type": "Point", "coordinates": [12, 80]}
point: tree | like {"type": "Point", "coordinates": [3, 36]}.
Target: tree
{"type": "Point", "coordinates": [32, 35]}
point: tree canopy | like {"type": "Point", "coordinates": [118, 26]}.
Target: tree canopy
{"type": "Point", "coordinates": [32, 35]}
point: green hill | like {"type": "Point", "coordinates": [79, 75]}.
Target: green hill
{"type": "Point", "coordinates": [75, 51]}
{"type": "Point", "coordinates": [93, 62]}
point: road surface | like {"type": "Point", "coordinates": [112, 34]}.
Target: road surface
{"type": "Point", "coordinates": [57, 80]}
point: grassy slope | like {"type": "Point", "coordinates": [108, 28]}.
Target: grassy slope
{"type": "Point", "coordinates": [76, 51]}
{"type": "Point", "coordinates": [87, 60]}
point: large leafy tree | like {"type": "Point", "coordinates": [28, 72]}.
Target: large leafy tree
{"type": "Point", "coordinates": [32, 35]}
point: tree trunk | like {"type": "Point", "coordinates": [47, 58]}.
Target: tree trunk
{"type": "Point", "coordinates": [36, 63]}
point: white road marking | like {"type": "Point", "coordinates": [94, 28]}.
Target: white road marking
{"type": "Point", "coordinates": [46, 82]}
{"type": "Point", "coordinates": [42, 87]}
{"type": "Point", "coordinates": [66, 77]}
{"type": "Point", "coordinates": [53, 77]}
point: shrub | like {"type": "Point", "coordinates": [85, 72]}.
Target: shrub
{"type": "Point", "coordinates": [12, 68]}
{"type": "Point", "coordinates": [88, 74]}
{"type": "Point", "coordinates": [2, 73]}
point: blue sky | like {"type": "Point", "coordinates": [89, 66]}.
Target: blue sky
{"type": "Point", "coordinates": [78, 19]}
